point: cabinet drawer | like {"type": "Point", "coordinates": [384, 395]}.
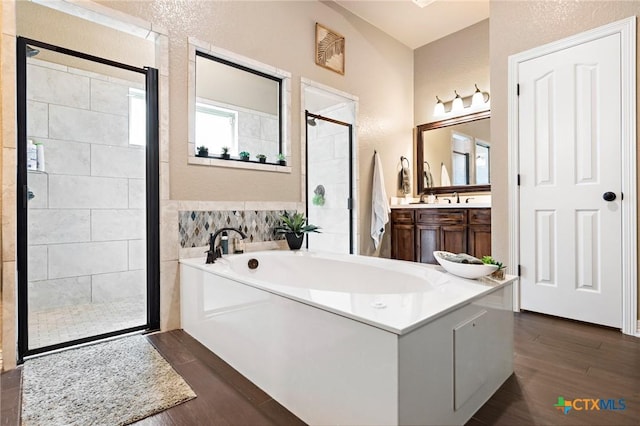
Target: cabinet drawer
{"type": "Point", "coordinates": [479, 216]}
{"type": "Point", "coordinates": [402, 216]}
{"type": "Point", "coordinates": [442, 216]}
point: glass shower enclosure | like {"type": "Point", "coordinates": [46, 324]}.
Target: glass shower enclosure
{"type": "Point", "coordinates": [87, 198]}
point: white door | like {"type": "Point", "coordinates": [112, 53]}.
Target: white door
{"type": "Point", "coordinates": [569, 147]}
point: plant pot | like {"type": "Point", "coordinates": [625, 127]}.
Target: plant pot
{"type": "Point", "coordinates": [202, 154]}
{"type": "Point", "coordinates": [294, 241]}
{"type": "Point", "coordinates": [498, 275]}
{"type": "Point", "coordinates": [244, 158]}
{"type": "Point", "coordinates": [282, 162]}
{"type": "Point", "coordinates": [226, 156]}
{"type": "Point", "coordinates": [262, 160]}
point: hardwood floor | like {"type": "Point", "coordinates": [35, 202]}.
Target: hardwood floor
{"type": "Point", "coordinates": [553, 358]}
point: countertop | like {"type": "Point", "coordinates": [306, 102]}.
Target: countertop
{"type": "Point", "coordinates": [442, 206]}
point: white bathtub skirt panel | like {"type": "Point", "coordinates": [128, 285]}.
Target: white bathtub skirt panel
{"type": "Point", "coordinates": [319, 365]}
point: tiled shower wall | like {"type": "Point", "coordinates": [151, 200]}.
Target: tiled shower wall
{"type": "Point", "coordinates": [87, 220]}
{"type": "Point", "coordinates": [328, 165]}
{"type": "Point", "coordinates": [258, 134]}
{"type": "Point", "coordinates": [196, 226]}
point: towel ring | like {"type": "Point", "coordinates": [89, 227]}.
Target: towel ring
{"type": "Point", "coordinates": [402, 160]}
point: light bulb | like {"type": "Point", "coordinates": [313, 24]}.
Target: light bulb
{"type": "Point", "coordinates": [439, 108]}
{"type": "Point", "coordinates": [478, 98]}
{"type": "Point", "coordinates": [457, 104]}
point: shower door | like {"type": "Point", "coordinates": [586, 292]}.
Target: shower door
{"type": "Point", "coordinates": [329, 183]}
{"type": "Point", "coordinates": [87, 206]}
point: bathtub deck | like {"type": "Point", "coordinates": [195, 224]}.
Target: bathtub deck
{"type": "Point", "coordinates": [553, 357]}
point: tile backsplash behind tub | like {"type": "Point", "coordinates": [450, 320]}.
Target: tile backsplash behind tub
{"type": "Point", "coordinates": [195, 227]}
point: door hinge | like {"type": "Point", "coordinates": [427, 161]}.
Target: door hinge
{"type": "Point", "coordinates": [350, 203]}
{"type": "Point", "coordinates": [621, 196]}
{"type": "Point", "coordinates": [25, 196]}
{"type": "Point", "coordinates": [519, 270]}
{"type": "Point", "coordinates": [518, 179]}
{"type": "Point", "coordinates": [518, 89]}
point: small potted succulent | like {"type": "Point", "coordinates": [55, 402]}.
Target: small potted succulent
{"type": "Point", "coordinates": [225, 153]}
{"type": "Point", "coordinates": [294, 226]}
{"type": "Point", "coordinates": [244, 155]}
{"type": "Point", "coordinates": [261, 158]}
{"type": "Point", "coordinates": [202, 151]}
{"type": "Point", "coordinates": [282, 160]}
{"type": "Point", "coordinates": [499, 273]}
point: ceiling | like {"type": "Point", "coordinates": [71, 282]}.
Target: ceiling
{"type": "Point", "coordinates": [415, 26]}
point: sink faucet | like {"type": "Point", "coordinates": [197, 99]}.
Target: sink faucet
{"type": "Point", "coordinates": [457, 197]}
{"type": "Point", "coordinates": [216, 252]}
{"type": "Point", "coordinates": [422, 197]}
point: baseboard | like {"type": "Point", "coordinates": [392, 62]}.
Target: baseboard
{"type": "Point", "coordinates": [638, 329]}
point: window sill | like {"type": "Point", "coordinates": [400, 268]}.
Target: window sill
{"type": "Point", "coordinates": [238, 164]}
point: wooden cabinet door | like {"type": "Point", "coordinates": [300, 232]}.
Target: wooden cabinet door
{"type": "Point", "coordinates": [479, 242]}
{"type": "Point", "coordinates": [427, 241]}
{"type": "Point", "coordinates": [403, 242]}
{"type": "Point", "coordinates": [453, 238]}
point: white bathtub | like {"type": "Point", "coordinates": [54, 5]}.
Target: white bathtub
{"type": "Point", "coordinates": [341, 339]}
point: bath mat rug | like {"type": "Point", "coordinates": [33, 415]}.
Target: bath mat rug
{"type": "Point", "coordinates": [112, 383]}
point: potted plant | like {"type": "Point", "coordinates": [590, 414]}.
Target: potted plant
{"type": "Point", "coordinates": [244, 156]}
{"type": "Point", "coordinates": [261, 158]}
{"type": "Point", "coordinates": [282, 160]}
{"type": "Point", "coordinates": [203, 151]}
{"type": "Point", "coordinates": [225, 153]}
{"type": "Point", "coordinates": [499, 273]}
{"type": "Point", "coordinates": [294, 227]}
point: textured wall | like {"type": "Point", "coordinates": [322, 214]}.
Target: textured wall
{"type": "Point", "coordinates": [379, 70]}
{"type": "Point", "coordinates": [455, 62]}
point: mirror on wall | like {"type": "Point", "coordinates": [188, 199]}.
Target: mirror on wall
{"type": "Point", "coordinates": [238, 110]}
{"type": "Point", "coordinates": [454, 154]}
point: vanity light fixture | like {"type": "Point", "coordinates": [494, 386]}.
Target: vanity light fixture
{"type": "Point", "coordinates": [439, 108]}
{"type": "Point", "coordinates": [422, 3]}
{"type": "Point", "coordinates": [477, 100]}
{"type": "Point", "coordinates": [457, 105]}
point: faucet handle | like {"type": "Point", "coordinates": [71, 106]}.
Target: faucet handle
{"type": "Point", "coordinates": [467, 200]}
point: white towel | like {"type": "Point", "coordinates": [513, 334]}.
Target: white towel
{"type": "Point", "coordinates": [444, 176]}
{"type": "Point", "coordinates": [379, 203]}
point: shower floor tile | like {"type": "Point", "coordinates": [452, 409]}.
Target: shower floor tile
{"type": "Point", "coordinates": [58, 325]}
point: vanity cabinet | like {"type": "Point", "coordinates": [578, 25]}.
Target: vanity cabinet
{"type": "Point", "coordinates": [402, 235]}
{"type": "Point", "coordinates": [417, 233]}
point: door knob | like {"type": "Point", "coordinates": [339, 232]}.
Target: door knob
{"type": "Point", "coordinates": [609, 196]}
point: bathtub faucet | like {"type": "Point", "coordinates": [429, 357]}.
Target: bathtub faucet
{"type": "Point", "coordinates": [216, 252]}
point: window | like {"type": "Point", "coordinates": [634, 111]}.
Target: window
{"type": "Point", "coordinates": [216, 127]}
{"type": "Point", "coordinates": [137, 117]}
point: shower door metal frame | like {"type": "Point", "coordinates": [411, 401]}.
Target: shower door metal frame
{"type": "Point", "coordinates": [152, 197]}
{"type": "Point", "coordinates": [350, 201]}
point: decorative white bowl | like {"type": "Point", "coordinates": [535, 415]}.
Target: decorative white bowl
{"type": "Point", "coordinates": [464, 270]}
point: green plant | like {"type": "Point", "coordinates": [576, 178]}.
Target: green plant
{"type": "Point", "coordinates": [491, 261]}
{"type": "Point", "coordinates": [244, 154]}
{"type": "Point", "coordinates": [225, 149]}
{"type": "Point", "coordinates": [203, 151]}
{"type": "Point", "coordinates": [295, 223]}
{"type": "Point", "coordinates": [261, 156]}
{"type": "Point", "coordinates": [281, 157]}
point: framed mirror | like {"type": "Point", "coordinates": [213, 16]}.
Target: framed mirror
{"type": "Point", "coordinates": [454, 154]}
{"type": "Point", "coordinates": [238, 111]}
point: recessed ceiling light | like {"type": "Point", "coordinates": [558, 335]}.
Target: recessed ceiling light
{"type": "Point", "coordinates": [423, 3]}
